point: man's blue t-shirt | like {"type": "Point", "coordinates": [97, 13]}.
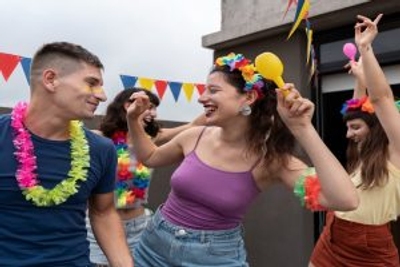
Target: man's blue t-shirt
{"type": "Point", "coordinates": [56, 235]}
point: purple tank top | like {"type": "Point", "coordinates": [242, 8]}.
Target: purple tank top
{"type": "Point", "coordinates": [206, 198]}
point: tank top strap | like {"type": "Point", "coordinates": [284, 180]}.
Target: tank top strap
{"type": "Point", "coordinates": [256, 163]}
{"type": "Point", "coordinates": [198, 139]}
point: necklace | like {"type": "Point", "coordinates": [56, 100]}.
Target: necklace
{"type": "Point", "coordinates": [26, 176]}
{"type": "Point", "coordinates": [132, 178]}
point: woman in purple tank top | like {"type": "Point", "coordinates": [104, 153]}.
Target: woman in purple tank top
{"type": "Point", "coordinates": [248, 145]}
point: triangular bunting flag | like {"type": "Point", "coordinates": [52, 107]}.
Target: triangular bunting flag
{"type": "Point", "coordinates": [146, 83]}
{"type": "Point", "coordinates": [313, 62]}
{"type": "Point", "coordinates": [188, 89]}
{"type": "Point", "coordinates": [200, 88]}
{"type": "Point", "coordinates": [290, 3]}
{"type": "Point", "coordinates": [302, 10]}
{"type": "Point", "coordinates": [176, 89]}
{"type": "Point", "coordinates": [309, 33]}
{"type": "Point", "coordinates": [7, 64]}
{"type": "Point", "coordinates": [128, 81]}
{"type": "Point", "coordinates": [161, 86]}
{"type": "Point", "coordinates": [26, 66]}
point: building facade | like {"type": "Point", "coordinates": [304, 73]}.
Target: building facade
{"type": "Point", "coordinates": [279, 232]}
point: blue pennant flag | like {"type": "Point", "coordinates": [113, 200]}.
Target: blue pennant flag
{"type": "Point", "coordinates": [176, 89]}
{"type": "Point", "coordinates": [128, 81]}
{"type": "Point", "coordinates": [26, 66]}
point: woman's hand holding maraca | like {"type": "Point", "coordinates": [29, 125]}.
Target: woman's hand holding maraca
{"type": "Point", "coordinates": [295, 111]}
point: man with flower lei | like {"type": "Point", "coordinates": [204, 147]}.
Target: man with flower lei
{"type": "Point", "coordinates": [52, 167]}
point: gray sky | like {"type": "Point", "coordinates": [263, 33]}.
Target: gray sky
{"type": "Point", "coordinates": [158, 39]}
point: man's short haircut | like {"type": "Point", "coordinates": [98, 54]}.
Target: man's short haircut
{"type": "Point", "coordinates": [52, 54]}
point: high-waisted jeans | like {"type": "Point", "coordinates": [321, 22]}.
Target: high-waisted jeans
{"type": "Point", "coordinates": [164, 244]}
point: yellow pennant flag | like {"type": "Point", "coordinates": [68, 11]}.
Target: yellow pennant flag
{"type": "Point", "coordinates": [146, 83]}
{"type": "Point", "coordinates": [188, 88]}
{"type": "Point", "coordinates": [301, 15]}
{"type": "Point", "coordinates": [309, 33]}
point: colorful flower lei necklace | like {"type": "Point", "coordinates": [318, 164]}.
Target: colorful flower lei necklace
{"type": "Point", "coordinates": [26, 176]}
{"type": "Point", "coordinates": [132, 181]}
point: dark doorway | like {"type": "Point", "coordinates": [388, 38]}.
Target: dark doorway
{"type": "Point", "coordinates": [333, 128]}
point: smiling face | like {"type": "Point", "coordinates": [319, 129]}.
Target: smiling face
{"type": "Point", "coordinates": [78, 93]}
{"type": "Point", "coordinates": [150, 114]}
{"type": "Point", "coordinates": [221, 100]}
{"type": "Point", "coordinates": [357, 130]}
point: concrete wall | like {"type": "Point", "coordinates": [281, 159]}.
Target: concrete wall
{"type": "Point", "coordinates": [245, 21]}
{"type": "Point", "coordinates": [4, 110]}
{"type": "Point", "coordinates": [267, 14]}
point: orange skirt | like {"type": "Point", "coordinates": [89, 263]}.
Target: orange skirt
{"type": "Point", "coordinates": [349, 244]}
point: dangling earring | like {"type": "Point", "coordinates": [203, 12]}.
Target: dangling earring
{"type": "Point", "coordinates": [245, 110]}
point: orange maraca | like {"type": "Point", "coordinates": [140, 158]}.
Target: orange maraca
{"type": "Point", "coordinates": [271, 68]}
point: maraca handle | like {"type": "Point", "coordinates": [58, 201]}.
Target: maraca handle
{"type": "Point", "coordinates": [279, 82]}
{"type": "Point", "coordinates": [285, 92]}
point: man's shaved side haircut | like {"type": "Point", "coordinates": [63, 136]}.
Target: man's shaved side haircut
{"type": "Point", "coordinates": [63, 56]}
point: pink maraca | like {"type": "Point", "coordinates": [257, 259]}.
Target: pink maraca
{"type": "Point", "coordinates": [350, 50]}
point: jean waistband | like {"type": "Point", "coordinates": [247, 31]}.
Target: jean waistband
{"type": "Point", "coordinates": [137, 220]}
{"type": "Point", "coordinates": [201, 235]}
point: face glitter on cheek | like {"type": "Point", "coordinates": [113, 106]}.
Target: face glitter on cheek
{"type": "Point", "coordinates": [96, 90]}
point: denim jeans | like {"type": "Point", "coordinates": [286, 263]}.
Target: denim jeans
{"type": "Point", "coordinates": [164, 244]}
{"type": "Point", "coordinates": [133, 230]}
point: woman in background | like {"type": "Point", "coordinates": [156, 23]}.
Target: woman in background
{"type": "Point", "coordinates": [133, 178]}
{"type": "Point", "coordinates": [362, 237]}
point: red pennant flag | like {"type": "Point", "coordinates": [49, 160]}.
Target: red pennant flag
{"type": "Point", "coordinates": [7, 64]}
{"type": "Point", "coordinates": [200, 88]}
{"type": "Point", "coordinates": [161, 86]}
{"type": "Point", "coordinates": [290, 3]}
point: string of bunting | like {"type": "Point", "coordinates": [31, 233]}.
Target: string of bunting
{"type": "Point", "coordinates": [302, 11]}
{"type": "Point", "coordinates": [162, 85]}
{"type": "Point", "coordinates": [9, 62]}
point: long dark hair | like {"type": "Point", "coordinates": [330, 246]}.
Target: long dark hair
{"type": "Point", "coordinates": [268, 135]}
{"type": "Point", "coordinates": [373, 154]}
{"type": "Point", "coordinates": [115, 117]}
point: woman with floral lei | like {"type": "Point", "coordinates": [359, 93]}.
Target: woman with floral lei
{"type": "Point", "coordinates": [362, 237]}
{"type": "Point", "coordinates": [247, 146]}
{"type": "Point", "coordinates": [133, 178]}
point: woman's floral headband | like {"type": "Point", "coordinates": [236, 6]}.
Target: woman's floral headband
{"type": "Point", "coordinates": [254, 81]}
{"type": "Point", "coordinates": [358, 104]}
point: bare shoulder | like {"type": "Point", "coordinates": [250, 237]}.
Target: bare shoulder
{"type": "Point", "coordinates": [189, 137]}
{"type": "Point", "coordinates": [191, 133]}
